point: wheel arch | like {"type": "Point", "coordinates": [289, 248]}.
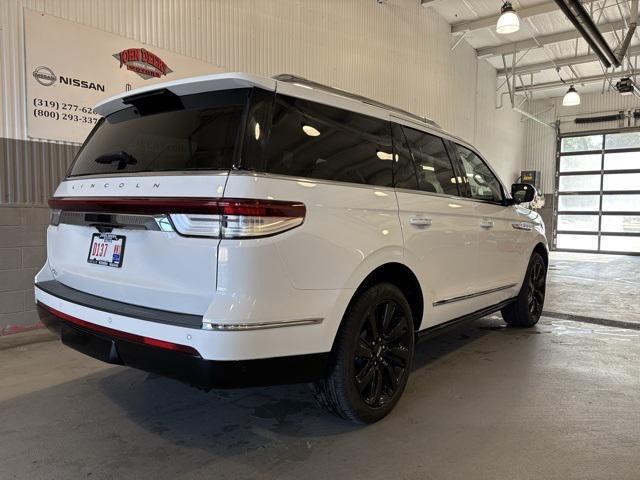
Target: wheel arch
{"type": "Point", "coordinates": [402, 277]}
{"type": "Point", "coordinates": [544, 253]}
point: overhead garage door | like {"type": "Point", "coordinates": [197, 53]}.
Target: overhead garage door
{"type": "Point", "coordinates": [598, 185]}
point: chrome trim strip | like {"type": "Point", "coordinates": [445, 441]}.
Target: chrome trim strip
{"type": "Point", "coordinates": [241, 327]}
{"type": "Point", "coordinates": [445, 195]}
{"type": "Point", "coordinates": [472, 295]}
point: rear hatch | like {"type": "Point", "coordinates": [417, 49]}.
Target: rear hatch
{"type": "Point", "coordinates": [112, 233]}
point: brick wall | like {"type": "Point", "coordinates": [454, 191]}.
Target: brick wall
{"type": "Point", "coordinates": [22, 254]}
{"type": "Point", "coordinates": [30, 171]}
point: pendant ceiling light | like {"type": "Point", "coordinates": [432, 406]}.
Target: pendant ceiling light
{"type": "Point", "coordinates": [509, 22]}
{"type": "Point", "coordinates": [571, 98]}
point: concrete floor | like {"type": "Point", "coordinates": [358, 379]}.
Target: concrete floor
{"type": "Point", "coordinates": [560, 401]}
{"type": "Point", "coordinates": [605, 287]}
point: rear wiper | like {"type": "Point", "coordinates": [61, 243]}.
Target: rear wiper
{"type": "Point", "coordinates": [123, 158]}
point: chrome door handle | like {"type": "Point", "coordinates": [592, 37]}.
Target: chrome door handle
{"type": "Point", "coordinates": [486, 223]}
{"type": "Point", "coordinates": [420, 221]}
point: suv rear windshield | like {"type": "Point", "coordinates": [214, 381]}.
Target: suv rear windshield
{"type": "Point", "coordinates": [201, 132]}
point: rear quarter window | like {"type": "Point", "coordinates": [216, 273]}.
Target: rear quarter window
{"type": "Point", "coordinates": [317, 141]}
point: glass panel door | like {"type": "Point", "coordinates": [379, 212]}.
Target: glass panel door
{"type": "Point", "coordinates": [598, 208]}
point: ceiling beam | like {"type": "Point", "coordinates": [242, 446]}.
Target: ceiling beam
{"type": "Point", "coordinates": [490, 21]}
{"type": "Point", "coordinates": [531, 43]}
{"type": "Point", "coordinates": [557, 84]}
{"type": "Point", "coordinates": [562, 62]}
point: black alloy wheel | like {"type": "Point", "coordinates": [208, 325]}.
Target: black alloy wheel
{"type": "Point", "coordinates": [382, 354]}
{"type": "Point", "coordinates": [536, 289]}
{"type": "Point", "coordinates": [371, 356]}
{"type": "Point", "coordinates": [527, 307]}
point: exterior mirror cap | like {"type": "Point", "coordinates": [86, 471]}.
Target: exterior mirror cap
{"type": "Point", "coordinates": [523, 193]}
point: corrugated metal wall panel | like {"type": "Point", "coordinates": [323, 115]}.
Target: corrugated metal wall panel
{"type": "Point", "coordinates": [499, 133]}
{"type": "Point", "coordinates": [30, 171]}
{"type": "Point", "coordinates": [540, 143]}
{"type": "Point", "coordinates": [396, 52]}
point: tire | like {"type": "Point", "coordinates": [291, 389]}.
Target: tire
{"type": "Point", "coordinates": [526, 310]}
{"type": "Point", "coordinates": [372, 356]}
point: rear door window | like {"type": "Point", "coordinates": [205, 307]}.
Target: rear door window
{"type": "Point", "coordinates": [198, 132]}
{"type": "Point", "coordinates": [312, 140]}
{"type": "Point", "coordinates": [433, 167]}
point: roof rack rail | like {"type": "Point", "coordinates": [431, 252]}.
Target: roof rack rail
{"type": "Point", "coordinates": [288, 78]}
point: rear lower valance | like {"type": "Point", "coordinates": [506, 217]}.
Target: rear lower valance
{"type": "Point", "coordinates": [63, 292]}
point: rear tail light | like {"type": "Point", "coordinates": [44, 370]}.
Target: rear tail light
{"type": "Point", "coordinates": [202, 217]}
{"type": "Point", "coordinates": [240, 218]}
{"type": "Point", "coordinates": [54, 218]}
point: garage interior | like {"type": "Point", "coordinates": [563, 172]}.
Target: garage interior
{"type": "Point", "coordinates": [552, 102]}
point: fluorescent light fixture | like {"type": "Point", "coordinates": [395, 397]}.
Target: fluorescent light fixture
{"type": "Point", "coordinates": [509, 21]}
{"type": "Point", "coordinates": [309, 130]}
{"type": "Point", "coordinates": [256, 131]}
{"type": "Point", "coordinates": [428, 167]}
{"type": "Point", "coordinates": [384, 155]}
{"type": "Point", "coordinates": [571, 98]}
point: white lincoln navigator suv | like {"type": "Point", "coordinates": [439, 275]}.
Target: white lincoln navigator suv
{"type": "Point", "coordinates": [232, 230]}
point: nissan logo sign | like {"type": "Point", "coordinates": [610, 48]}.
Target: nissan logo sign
{"type": "Point", "coordinates": [44, 76]}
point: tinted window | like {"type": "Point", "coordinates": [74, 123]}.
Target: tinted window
{"type": "Point", "coordinates": [433, 166]}
{"type": "Point", "coordinates": [317, 141]}
{"type": "Point", "coordinates": [483, 184]}
{"type": "Point", "coordinates": [256, 131]}
{"type": "Point", "coordinates": [199, 133]}
{"type": "Point", "coordinates": [404, 169]}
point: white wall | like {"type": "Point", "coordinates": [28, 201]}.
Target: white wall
{"type": "Point", "coordinates": [540, 141]}
{"type": "Point", "coordinates": [396, 52]}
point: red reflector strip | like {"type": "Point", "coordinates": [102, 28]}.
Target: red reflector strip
{"type": "Point", "coordinates": [160, 205]}
{"type": "Point", "coordinates": [129, 337]}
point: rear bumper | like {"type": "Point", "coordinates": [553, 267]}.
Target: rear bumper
{"type": "Point", "coordinates": [121, 348]}
{"type": "Point", "coordinates": [256, 340]}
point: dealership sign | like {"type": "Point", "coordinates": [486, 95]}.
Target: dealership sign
{"type": "Point", "coordinates": [143, 62]}
{"type": "Point", "coordinates": [72, 67]}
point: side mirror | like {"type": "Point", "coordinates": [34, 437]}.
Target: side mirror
{"type": "Point", "coordinates": [523, 193]}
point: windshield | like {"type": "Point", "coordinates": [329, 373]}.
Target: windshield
{"type": "Point", "coordinates": [201, 135]}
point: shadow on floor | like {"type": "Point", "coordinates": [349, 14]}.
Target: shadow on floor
{"type": "Point", "coordinates": [241, 417]}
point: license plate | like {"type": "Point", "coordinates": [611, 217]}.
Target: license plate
{"type": "Point", "coordinates": [106, 249]}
